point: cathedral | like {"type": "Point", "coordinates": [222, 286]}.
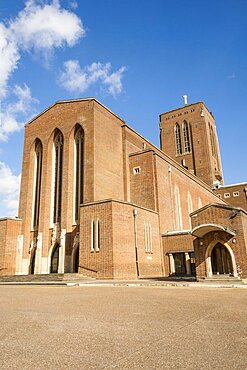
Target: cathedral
{"type": "Point", "coordinates": [100, 200]}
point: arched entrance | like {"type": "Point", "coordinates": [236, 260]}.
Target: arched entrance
{"type": "Point", "coordinates": [32, 262]}
{"type": "Point", "coordinates": [76, 260]}
{"type": "Point", "coordinates": [221, 260]}
{"type": "Point", "coordinates": [54, 260]}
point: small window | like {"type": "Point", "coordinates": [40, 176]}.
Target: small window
{"type": "Point", "coordinates": [227, 195]}
{"type": "Point", "coordinates": [219, 195]}
{"type": "Point", "coordinates": [236, 193]}
{"type": "Point", "coordinates": [137, 170]}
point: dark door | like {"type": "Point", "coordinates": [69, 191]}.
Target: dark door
{"type": "Point", "coordinates": [55, 260]}
{"type": "Point", "coordinates": [180, 266]}
{"type": "Point", "coordinates": [221, 260]}
{"type": "Point", "coordinates": [76, 260]}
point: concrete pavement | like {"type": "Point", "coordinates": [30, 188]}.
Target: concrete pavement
{"type": "Point", "coordinates": [120, 327]}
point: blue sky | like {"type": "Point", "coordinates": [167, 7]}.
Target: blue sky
{"type": "Point", "coordinates": [137, 57]}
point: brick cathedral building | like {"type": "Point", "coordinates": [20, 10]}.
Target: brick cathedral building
{"type": "Point", "coordinates": [99, 199]}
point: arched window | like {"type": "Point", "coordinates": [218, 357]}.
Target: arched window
{"type": "Point", "coordinates": [79, 169]}
{"type": "Point", "coordinates": [186, 137]}
{"type": "Point", "coordinates": [58, 146]}
{"type": "Point", "coordinates": [178, 139]}
{"type": "Point", "coordinates": [179, 224]}
{"type": "Point", "coordinates": [37, 181]}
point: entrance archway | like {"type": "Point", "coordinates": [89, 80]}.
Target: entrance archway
{"type": "Point", "coordinates": [54, 260]}
{"type": "Point", "coordinates": [221, 260]}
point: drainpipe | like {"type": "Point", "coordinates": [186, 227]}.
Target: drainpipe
{"type": "Point", "coordinates": [136, 250]}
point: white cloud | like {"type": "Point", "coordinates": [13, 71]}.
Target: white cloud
{"type": "Point", "coordinates": [14, 115]}
{"type": "Point", "coordinates": [9, 190]}
{"type": "Point", "coordinates": [46, 26]}
{"type": "Point", "coordinates": [9, 57]}
{"type": "Point", "coordinates": [75, 79]}
{"type": "Point", "coordinates": [38, 27]}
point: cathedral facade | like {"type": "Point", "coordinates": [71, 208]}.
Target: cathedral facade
{"type": "Point", "coordinates": [99, 199]}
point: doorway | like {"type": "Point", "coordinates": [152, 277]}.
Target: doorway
{"type": "Point", "coordinates": [55, 260]}
{"type": "Point", "coordinates": [221, 260]}
{"type": "Point", "coordinates": [180, 264]}
{"type": "Point", "coordinates": [76, 260]}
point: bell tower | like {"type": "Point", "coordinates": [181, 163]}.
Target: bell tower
{"type": "Point", "coordinates": [188, 135]}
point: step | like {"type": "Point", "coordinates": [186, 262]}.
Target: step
{"type": "Point", "coordinates": [44, 277]}
{"type": "Point", "coordinates": [222, 280]}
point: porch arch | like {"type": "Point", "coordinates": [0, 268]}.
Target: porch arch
{"type": "Point", "coordinates": [208, 254]}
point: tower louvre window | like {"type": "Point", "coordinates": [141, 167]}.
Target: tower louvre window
{"type": "Point", "coordinates": [178, 139]}
{"type": "Point", "coordinates": [186, 137]}
{"type": "Point", "coordinates": [79, 170]}
{"type": "Point", "coordinates": [38, 173]}
{"type": "Point", "coordinates": [58, 143]}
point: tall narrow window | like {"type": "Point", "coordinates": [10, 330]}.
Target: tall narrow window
{"type": "Point", "coordinates": [38, 171]}
{"type": "Point", "coordinates": [178, 139]}
{"type": "Point", "coordinates": [179, 223]}
{"type": "Point", "coordinates": [79, 170]}
{"type": "Point", "coordinates": [95, 235]}
{"type": "Point", "coordinates": [148, 238]}
{"type": "Point", "coordinates": [186, 137]}
{"type": "Point", "coordinates": [58, 145]}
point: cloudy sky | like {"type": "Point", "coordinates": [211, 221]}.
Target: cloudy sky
{"type": "Point", "coordinates": [138, 57]}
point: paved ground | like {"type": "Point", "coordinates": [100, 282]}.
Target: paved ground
{"type": "Point", "coordinates": [122, 328]}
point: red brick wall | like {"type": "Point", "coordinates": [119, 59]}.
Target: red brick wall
{"type": "Point", "coordinates": [227, 193]}
{"type": "Point", "coordinates": [108, 155]}
{"type": "Point", "coordinates": [116, 257]}
{"type": "Point", "coordinates": [154, 188]}
{"type": "Point", "coordinates": [9, 230]}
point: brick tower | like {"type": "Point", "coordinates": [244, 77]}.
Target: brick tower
{"type": "Point", "coordinates": [188, 135]}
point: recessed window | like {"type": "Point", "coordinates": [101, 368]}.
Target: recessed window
{"type": "Point", "coordinates": [227, 195]}
{"type": "Point", "coordinates": [137, 170]}
{"type": "Point", "coordinates": [186, 137]}
{"type": "Point", "coordinates": [219, 195]}
{"type": "Point", "coordinates": [236, 193]}
{"type": "Point", "coordinates": [178, 139]}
